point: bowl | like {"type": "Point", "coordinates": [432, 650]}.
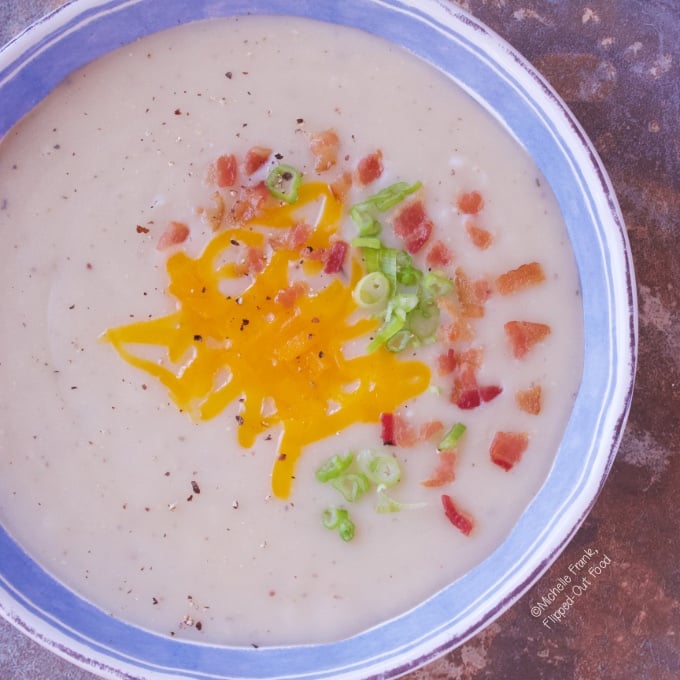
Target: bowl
{"type": "Point", "coordinates": [504, 84]}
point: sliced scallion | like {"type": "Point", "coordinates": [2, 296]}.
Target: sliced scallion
{"type": "Point", "coordinates": [437, 284]}
{"type": "Point", "coordinates": [331, 517]}
{"type": "Point", "coordinates": [334, 467]}
{"type": "Point", "coordinates": [379, 468]}
{"type": "Point", "coordinates": [366, 242]}
{"type": "Point", "coordinates": [451, 437]}
{"type": "Point", "coordinates": [346, 529]}
{"type": "Point", "coordinates": [283, 182]}
{"type": "Point", "coordinates": [389, 504]}
{"type": "Point", "coordinates": [352, 485]}
{"type": "Point", "coordinates": [372, 292]}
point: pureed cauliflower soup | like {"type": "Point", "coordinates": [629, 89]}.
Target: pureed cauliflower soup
{"type": "Point", "coordinates": [291, 332]}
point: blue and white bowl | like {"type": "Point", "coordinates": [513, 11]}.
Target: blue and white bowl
{"type": "Point", "coordinates": [508, 87]}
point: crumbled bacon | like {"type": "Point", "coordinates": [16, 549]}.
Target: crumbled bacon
{"type": "Point", "coordinates": [226, 171]}
{"type": "Point", "coordinates": [249, 202]}
{"type": "Point", "coordinates": [523, 335]}
{"type": "Point", "coordinates": [439, 255]}
{"type": "Point", "coordinates": [387, 429]}
{"type": "Point", "coordinates": [507, 448]}
{"type": "Point", "coordinates": [447, 362]}
{"type": "Point", "coordinates": [470, 203]}
{"type": "Point", "coordinates": [215, 214]}
{"type": "Point", "coordinates": [458, 329]}
{"type": "Point", "coordinates": [293, 238]}
{"type": "Point", "coordinates": [174, 234]}
{"type": "Point", "coordinates": [413, 226]}
{"type": "Point", "coordinates": [445, 472]}
{"type": "Point", "coordinates": [524, 276]}
{"type": "Point", "coordinates": [481, 238]}
{"type": "Point", "coordinates": [370, 168]}
{"type": "Point", "coordinates": [255, 259]}
{"type": "Point", "coordinates": [340, 187]}
{"type": "Point", "coordinates": [288, 296]}
{"type": "Point", "coordinates": [407, 434]}
{"type": "Point", "coordinates": [336, 257]}
{"type": "Point", "coordinates": [255, 158]}
{"type": "Point", "coordinates": [459, 520]}
{"type": "Point", "coordinates": [530, 400]}
{"type": "Point", "coordinates": [324, 147]}
{"type": "Point", "coordinates": [472, 305]}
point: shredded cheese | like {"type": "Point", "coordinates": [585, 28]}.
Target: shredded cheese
{"type": "Point", "coordinates": [285, 364]}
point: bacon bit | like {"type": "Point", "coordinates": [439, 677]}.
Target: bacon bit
{"type": "Point", "coordinates": [481, 238]}
{"type": "Point", "coordinates": [288, 296]}
{"type": "Point", "coordinates": [387, 429]}
{"type": "Point", "coordinates": [175, 233]}
{"type": "Point", "coordinates": [472, 357]}
{"type": "Point", "coordinates": [318, 254]}
{"type": "Point", "coordinates": [507, 448]}
{"type": "Point", "coordinates": [255, 259]}
{"type": "Point", "coordinates": [430, 429]}
{"type": "Point", "coordinates": [256, 157]}
{"type": "Point", "coordinates": [523, 335]}
{"type": "Point", "coordinates": [293, 238]}
{"type": "Point", "coordinates": [445, 472]}
{"type": "Point", "coordinates": [226, 171]}
{"type": "Point", "coordinates": [324, 147]}
{"type": "Point", "coordinates": [406, 434]}
{"type": "Point", "coordinates": [370, 168]}
{"type": "Point", "coordinates": [215, 214]}
{"type": "Point", "coordinates": [459, 520]}
{"type": "Point", "coordinates": [336, 257]}
{"type": "Point", "coordinates": [413, 226]}
{"type": "Point", "coordinates": [341, 186]}
{"type": "Point", "coordinates": [249, 203]}
{"type": "Point", "coordinates": [468, 399]}
{"type": "Point", "coordinates": [439, 255]}
{"type": "Point", "coordinates": [489, 392]}
{"type": "Point", "coordinates": [446, 363]}
{"type": "Point", "coordinates": [458, 329]}
{"type": "Point", "coordinates": [530, 400]}
{"type": "Point", "coordinates": [470, 203]}
{"type": "Point", "coordinates": [482, 290]}
{"type": "Point", "coordinates": [517, 279]}
{"type": "Point", "coordinates": [471, 304]}
{"type": "Point", "coordinates": [467, 393]}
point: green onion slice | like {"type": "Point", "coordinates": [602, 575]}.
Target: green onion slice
{"type": "Point", "coordinates": [380, 468]}
{"type": "Point", "coordinates": [352, 485]}
{"type": "Point", "coordinates": [331, 517]}
{"type": "Point", "coordinates": [346, 529]}
{"type": "Point", "coordinates": [334, 467]}
{"type": "Point", "coordinates": [283, 182]}
{"type": "Point", "coordinates": [372, 292]}
{"type": "Point", "coordinates": [437, 284]}
{"type": "Point", "coordinates": [451, 437]}
{"type": "Point", "coordinates": [389, 504]}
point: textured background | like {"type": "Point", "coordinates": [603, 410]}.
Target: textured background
{"type": "Point", "coordinates": [617, 65]}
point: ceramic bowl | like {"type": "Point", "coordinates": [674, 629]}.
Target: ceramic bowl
{"type": "Point", "coordinates": [508, 87]}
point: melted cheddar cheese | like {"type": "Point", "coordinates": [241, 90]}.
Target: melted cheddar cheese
{"type": "Point", "coordinates": [285, 364]}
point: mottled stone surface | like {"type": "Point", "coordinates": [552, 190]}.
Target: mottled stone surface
{"type": "Point", "coordinates": [617, 65]}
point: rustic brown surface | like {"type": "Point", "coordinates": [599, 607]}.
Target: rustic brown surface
{"type": "Point", "coordinates": [617, 65]}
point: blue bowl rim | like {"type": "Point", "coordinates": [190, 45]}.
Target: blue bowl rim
{"type": "Point", "coordinates": [510, 89]}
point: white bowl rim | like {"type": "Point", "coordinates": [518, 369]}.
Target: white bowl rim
{"type": "Point", "coordinates": [483, 62]}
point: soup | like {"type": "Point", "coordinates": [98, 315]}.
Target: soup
{"type": "Point", "coordinates": [213, 375]}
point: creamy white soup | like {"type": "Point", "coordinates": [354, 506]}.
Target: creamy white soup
{"type": "Point", "coordinates": [291, 330]}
